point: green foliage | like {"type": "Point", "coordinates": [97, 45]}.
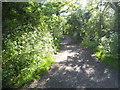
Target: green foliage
{"type": "Point", "coordinates": [108, 50]}
{"type": "Point", "coordinates": [95, 28]}
{"type": "Point", "coordinates": [30, 38]}
{"type": "Point", "coordinates": [108, 59]}
{"type": "Point", "coordinates": [26, 53]}
{"type": "Point", "coordinates": [32, 32]}
{"type": "Point", "coordinates": [100, 35]}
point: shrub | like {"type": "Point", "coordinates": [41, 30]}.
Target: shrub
{"type": "Point", "coordinates": [27, 53]}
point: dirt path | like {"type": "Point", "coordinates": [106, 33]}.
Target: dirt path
{"type": "Point", "coordinates": [77, 67]}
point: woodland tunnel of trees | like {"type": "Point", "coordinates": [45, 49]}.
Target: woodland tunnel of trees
{"type": "Point", "coordinates": [32, 33]}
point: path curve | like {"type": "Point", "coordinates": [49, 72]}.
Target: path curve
{"type": "Point", "coordinates": [77, 67]}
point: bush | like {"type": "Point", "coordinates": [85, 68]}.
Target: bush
{"type": "Point", "coordinates": [27, 53]}
{"type": "Point", "coordinates": [108, 50]}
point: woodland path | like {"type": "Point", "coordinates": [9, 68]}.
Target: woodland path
{"type": "Point", "coordinates": [77, 67]}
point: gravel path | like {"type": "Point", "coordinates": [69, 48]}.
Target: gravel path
{"type": "Point", "coordinates": [77, 67]}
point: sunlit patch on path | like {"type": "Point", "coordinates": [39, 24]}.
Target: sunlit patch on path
{"type": "Point", "coordinates": [63, 55]}
{"type": "Point", "coordinates": [77, 67]}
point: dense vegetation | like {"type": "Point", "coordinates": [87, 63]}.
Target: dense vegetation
{"type": "Point", "coordinates": [96, 27]}
{"type": "Point", "coordinates": [32, 32]}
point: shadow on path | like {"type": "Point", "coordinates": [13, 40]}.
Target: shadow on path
{"type": "Point", "coordinates": [77, 67]}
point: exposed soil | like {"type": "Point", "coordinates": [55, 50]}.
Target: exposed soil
{"type": "Point", "coordinates": [77, 67]}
